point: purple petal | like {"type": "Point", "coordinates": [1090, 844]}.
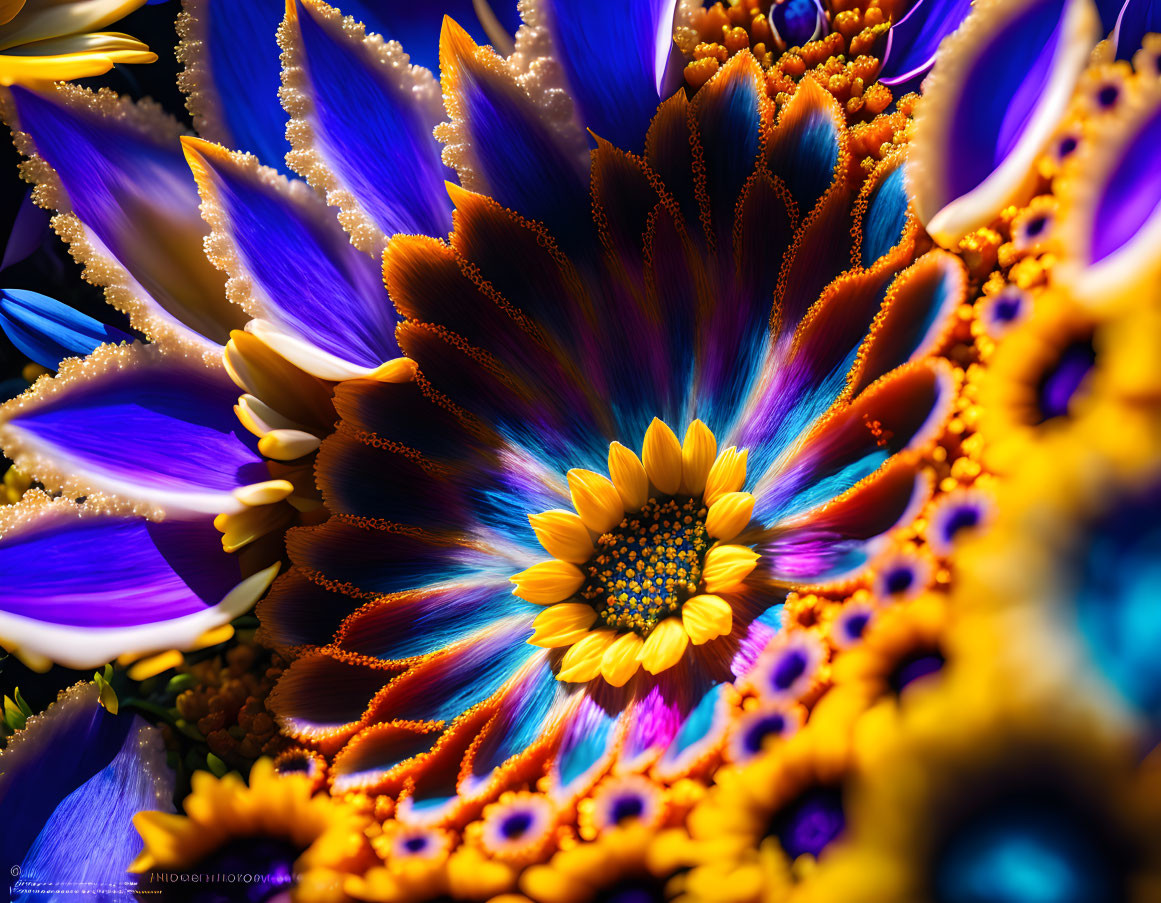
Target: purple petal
{"type": "Point", "coordinates": [1131, 195]}
{"type": "Point", "coordinates": [121, 173]}
{"type": "Point", "coordinates": [29, 231]}
{"type": "Point", "coordinates": [66, 598]}
{"type": "Point", "coordinates": [155, 429]}
{"type": "Point", "coordinates": [370, 118]}
{"type": "Point", "coordinates": [1112, 212]}
{"type": "Point", "coordinates": [72, 780]}
{"type": "Point", "coordinates": [914, 40]}
{"type": "Point", "coordinates": [835, 542]}
{"type": "Point", "coordinates": [271, 233]}
{"type": "Point", "coordinates": [1002, 84]}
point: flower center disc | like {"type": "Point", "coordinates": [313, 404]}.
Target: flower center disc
{"type": "Point", "coordinates": [648, 565]}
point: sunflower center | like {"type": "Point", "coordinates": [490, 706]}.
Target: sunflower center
{"type": "Point", "coordinates": [639, 568]}
{"type": "Point", "coordinates": [648, 564]}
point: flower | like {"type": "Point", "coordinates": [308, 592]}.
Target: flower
{"type": "Point", "coordinates": [978, 792]}
{"type": "Point", "coordinates": [409, 519]}
{"type": "Point", "coordinates": [273, 828]}
{"type": "Point", "coordinates": [572, 258]}
{"type": "Point", "coordinates": [43, 41]}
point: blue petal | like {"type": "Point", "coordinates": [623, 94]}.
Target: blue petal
{"type": "Point", "coordinates": [48, 331]}
{"type": "Point", "coordinates": [797, 22]}
{"type": "Point", "coordinates": [886, 217]}
{"type": "Point", "coordinates": [914, 40]}
{"type": "Point", "coordinates": [1137, 19]}
{"type": "Point", "coordinates": [520, 723]}
{"type": "Point", "coordinates": [128, 183]}
{"type": "Point", "coordinates": [281, 232]}
{"type": "Point", "coordinates": [69, 787]}
{"type": "Point", "coordinates": [445, 686]}
{"type": "Point", "coordinates": [373, 131]}
{"type": "Point", "coordinates": [615, 62]}
{"type": "Point", "coordinates": [416, 25]}
{"type": "Point", "coordinates": [516, 157]}
{"type": "Point", "coordinates": [589, 738]}
{"type": "Point", "coordinates": [701, 724]}
{"type": "Point", "coordinates": [421, 623]}
{"type": "Point", "coordinates": [245, 71]}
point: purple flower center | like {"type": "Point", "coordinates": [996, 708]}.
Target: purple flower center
{"type": "Point", "coordinates": [964, 517]}
{"type": "Point", "coordinates": [628, 806]}
{"type": "Point", "coordinates": [810, 822]}
{"type": "Point", "coordinates": [767, 726]}
{"type": "Point", "coordinates": [416, 844]}
{"type": "Point", "coordinates": [790, 667]}
{"type": "Point", "coordinates": [1061, 381]}
{"type": "Point", "coordinates": [915, 666]}
{"type": "Point", "coordinates": [1035, 226]}
{"type": "Point", "coordinates": [899, 580]}
{"type": "Point", "coordinates": [854, 626]}
{"type": "Point", "coordinates": [515, 825]}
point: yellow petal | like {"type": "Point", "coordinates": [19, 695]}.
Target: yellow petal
{"type": "Point", "coordinates": [548, 582]}
{"type": "Point", "coordinates": [596, 500]}
{"type": "Point", "coordinates": [706, 618]}
{"type": "Point", "coordinates": [583, 660]}
{"type": "Point", "coordinates": [697, 456]}
{"type": "Point", "coordinates": [661, 453]}
{"type": "Point", "coordinates": [728, 516]}
{"type": "Point", "coordinates": [664, 647]}
{"type": "Point", "coordinates": [151, 667]}
{"type": "Point", "coordinates": [621, 659]}
{"type": "Point", "coordinates": [563, 624]}
{"type": "Point", "coordinates": [727, 566]}
{"type": "Point", "coordinates": [17, 70]}
{"type": "Point", "coordinates": [728, 474]}
{"type": "Point", "coordinates": [563, 535]}
{"type": "Point", "coordinates": [288, 445]}
{"type": "Point", "coordinates": [266, 493]}
{"type": "Point", "coordinates": [629, 476]}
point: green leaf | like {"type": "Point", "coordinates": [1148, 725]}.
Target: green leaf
{"type": "Point", "coordinates": [13, 717]}
{"type": "Point", "coordinates": [217, 767]}
{"type": "Point", "coordinates": [24, 706]}
{"type": "Point", "coordinates": [109, 698]}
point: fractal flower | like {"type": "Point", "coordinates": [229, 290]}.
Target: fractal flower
{"type": "Point", "coordinates": [622, 424]}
